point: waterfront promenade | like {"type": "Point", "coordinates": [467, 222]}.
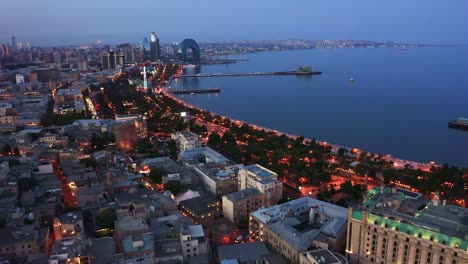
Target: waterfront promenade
{"type": "Point", "coordinates": [398, 163]}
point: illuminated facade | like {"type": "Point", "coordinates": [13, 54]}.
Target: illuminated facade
{"type": "Point", "coordinates": [125, 135]}
{"type": "Point", "coordinates": [394, 226]}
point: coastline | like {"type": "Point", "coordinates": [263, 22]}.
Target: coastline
{"type": "Point", "coordinates": [398, 163]}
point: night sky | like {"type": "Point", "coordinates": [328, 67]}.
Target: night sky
{"type": "Point", "coordinates": [60, 22]}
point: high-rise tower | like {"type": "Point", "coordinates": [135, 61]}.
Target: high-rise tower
{"type": "Point", "coordinates": [154, 45]}
{"type": "Point", "coordinates": [13, 42]}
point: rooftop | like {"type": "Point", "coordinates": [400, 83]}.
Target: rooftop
{"type": "Point", "coordinates": [322, 256]}
{"type": "Point", "coordinates": [128, 223]}
{"type": "Point", "coordinates": [138, 242]}
{"type": "Point", "coordinates": [196, 231]}
{"type": "Point", "coordinates": [209, 154]}
{"type": "Point", "coordinates": [219, 171]}
{"type": "Point", "coordinates": [133, 195]}
{"type": "Point", "coordinates": [276, 212]}
{"type": "Point", "coordinates": [71, 218]}
{"type": "Point", "coordinates": [102, 250]}
{"type": "Point", "coordinates": [243, 252]}
{"type": "Point", "coordinates": [168, 247]}
{"type": "Point", "coordinates": [261, 172]}
{"type": "Point", "coordinates": [434, 220]}
{"type": "Point", "coordinates": [199, 205]}
{"type": "Point", "coordinates": [243, 194]}
{"type": "Point", "coordinates": [301, 221]}
{"type": "Point", "coordinates": [187, 135]}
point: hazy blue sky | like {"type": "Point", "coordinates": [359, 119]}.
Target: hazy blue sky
{"type": "Point", "coordinates": [54, 22]}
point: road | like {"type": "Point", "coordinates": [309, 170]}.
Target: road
{"type": "Point", "coordinates": [67, 191]}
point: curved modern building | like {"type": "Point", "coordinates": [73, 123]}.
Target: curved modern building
{"type": "Point", "coordinates": [189, 44]}
{"type": "Point", "coordinates": [145, 46]}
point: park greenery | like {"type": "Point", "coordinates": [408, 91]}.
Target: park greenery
{"type": "Point", "coordinates": [156, 175]}
{"type": "Point", "coordinates": [89, 162]}
{"type": "Point", "coordinates": [100, 142]}
{"type": "Point", "coordinates": [27, 184]}
{"type": "Point", "coordinates": [106, 219]}
{"type": "Point", "coordinates": [304, 162]}
{"type": "Point", "coordinates": [51, 119]}
{"type": "Point", "coordinates": [174, 186]}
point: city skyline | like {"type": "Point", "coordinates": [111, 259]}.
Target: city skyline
{"type": "Point", "coordinates": [419, 21]}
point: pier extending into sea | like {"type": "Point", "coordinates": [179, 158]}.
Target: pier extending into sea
{"type": "Point", "coordinates": [297, 73]}
{"type": "Point", "coordinates": [194, 91]}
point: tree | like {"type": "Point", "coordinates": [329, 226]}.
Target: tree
{"type": "Point", "coordinates": [390, 175]}
{"type": "Point", "coordinates": [156, 175]}
{"type": "Point", "coordinates": [341, 202]}
{"type": "Point", "coordinates": [3, 222]}
{"type": "Point", "coordinates": [107, 218]}
{"type": "Point", "coordinates": [26, 184]}
{"type": "Point", "coordinates": [363, 155]}
{"type": "Point", "coordinates": [214, 139]}
{"type": "Point", "coordinates": [6, 148]}
{"type": "Point", "coordinates": [89, 162]}
{"type": "Point", "coordinates": [346, 187]}
{"type": "Point", "coordinates": [172, 146]}
{"type": "Point", "coordinates": [342, 151]}
{"type": "Point", "coordinates": [173, 186]}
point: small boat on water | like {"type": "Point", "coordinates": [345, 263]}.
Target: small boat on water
{"type": "Point", "coordinates": [459, 123]}
{"type": "Point", "coordinates": [351, 80]}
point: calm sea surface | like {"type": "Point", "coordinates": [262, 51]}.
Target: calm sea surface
{"type": "Point", "coordinates": [399, 103]}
